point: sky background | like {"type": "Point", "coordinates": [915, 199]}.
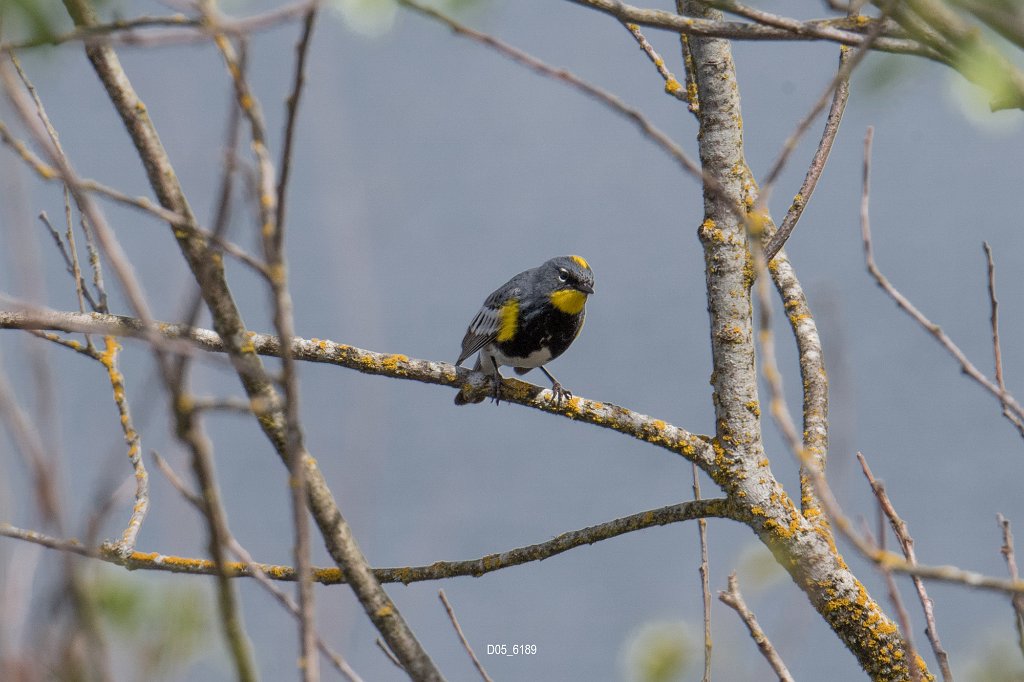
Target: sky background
{"type": "Point", "coordinates": [427, 171]}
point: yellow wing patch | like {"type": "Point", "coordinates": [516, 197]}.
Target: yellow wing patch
{"type": "Point", "coordinates": [568, 301]}
{"type": "Point", "coordinates": [581, 261]}
{"type": "Point", "coordinates": [508, 319]}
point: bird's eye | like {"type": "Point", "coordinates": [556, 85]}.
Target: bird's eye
{"type": "Point", "coordinates": [563, 274]}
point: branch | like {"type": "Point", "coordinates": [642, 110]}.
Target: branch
{"type": "Point", "coordinates": [642, 427]}
{"type": "Point", "coordinates": [1008, 401]}
{"type": "Point", "coordinates": [604, 97]}
{"type": "Point", "coordinates": [265, 582]}
{"type": "Point", "coordinates": [702, 536]}
{"type": "Point", "coordinates": [462, 638]}
{"type": "Point", "coordinates": [734, 600]}
{"type": "Point", "coordinates": [899, 527]}
{"type": "Point", "coordinates": [192, 28]}
{"type": "Point", "coordinates": [1011, 565]}
{"type": "Point", "coordinates": [733, 30]}
{"type": "Point", "coordinates": [227, 320]}
{"type": "Point", "coordinates": [440, 570]}
{"type": "Point", "coordinates": [996, 344]}
{"type": "Point", "coordinates": [672, 85]}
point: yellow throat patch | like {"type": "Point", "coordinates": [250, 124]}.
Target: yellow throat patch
{"type": "Point", "coordinates": [581, 261]}
{"type": "Point", "coordinates": [569, 301]}
{"type": "Point", "coordinates": [508, 319]}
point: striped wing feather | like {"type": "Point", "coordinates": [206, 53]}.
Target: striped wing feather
{"type": "Point", "coordinates": [484, 327]}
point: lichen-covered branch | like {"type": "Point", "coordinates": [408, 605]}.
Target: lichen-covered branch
{"type": "Point", "coordinates": [693, 447]}
{"type": "Point", "coordinates": [440, 570]}
{"type": "Point", "coordinates": [808, 551]}
{"type": "Point", "coordinates": [207, 268]}
{"type": "Point", "coordinates": [844, 31]}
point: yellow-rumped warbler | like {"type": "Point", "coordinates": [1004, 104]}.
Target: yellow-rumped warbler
{"type": "Point", "coordinates": [529, 321]}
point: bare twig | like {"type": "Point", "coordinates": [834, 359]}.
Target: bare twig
{"type": "Point", "coordinates": [607, 99]}
{"type": "Point", "coordinates": [841, 93]}
{"type": "Point", "coordinates": [672, 86]}
{"type": "Point", "coordinates": [390, 656]}
{"type": "Point", "coordinates": [270, 229]}
{"type": "Point", "coordinates": [780, 28]}
{"type": "Point", "coordinates": [734, 600]}
{"type": "Point", "coordinates": [71, 264]}
{"type": "Point", "coordinates": [996, 344]}
{"type": "Point", "coordinates": [462, 637]}
{"type": "Point", "coordinates": [902, 617]}
{"type": "Point", "coordinates": [899, 527]}
{"type": "Point", "coordinates": [811, 467]}
{"type": "Point", "coordinates": [688, 65]}
{"type": "Point", "coordinates": [292, 109]}
{"type": "Point", "coordinates": [255, 571]}
{"type": "Point", "coordinates": [237, 405]}
{"type": "Point", "coordinates": [1011, 565]}
{"type": "Point", "coordinates": [209, 273]}
{"type": "Point", "coordinates": [182, 29]}
{"type": "Point", "coordinates": [125, 273]}
{"type": "Point", "coordinates": [968, 368]}
{"type": "Point", "coordinates": [702, 534]}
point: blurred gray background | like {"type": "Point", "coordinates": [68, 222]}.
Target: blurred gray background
{"type": "Point", "coordinates": [427, 171]}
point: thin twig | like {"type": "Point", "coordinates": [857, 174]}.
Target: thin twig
{"type": "Point", "coordinates": [237, 405]}
{"type": "Point", "coordinates": [902, 617]}
{"type": "Point", "coordinates": [462, 637]}
{"type": "Point", "coordinates": [131, 285]}
{"type": "Point", "coordinates": [292, 110]}
{"type": "Point", "coordinates": [209, 272]}
{"type": "Point", "coordinates": [688, 65]}
{"type": "Point", "coordinates": [769, 27]}
{"type": "Point", "coordinates": [968, 368]}
{"type": "Point", "coordinates": [222, 214]}
{"type": "Point", "coordinates": [254, 569]}
{"type": "Point", "coordinates": [1011, 565]}
{"type": "Point", "coordinates": [810, 466]}
{"type": "Point", "coordinates": [705, 583]}
{"type": "Point", "coordinates": [71, 264]}
{"type": "Point", "coordinates": [841, 93]}
{"type": "Point", "coordinates": [183, 29]}
{"type": "Point", "coordinates": [996, 344]}
{"type": "Point", "coordinates": [734, 600]}
{"type": "Point", "coordinates": [839, 89]}
{"type": "Point", "coordinates": [85, 185]}
{"type": "Point", "coordinates": [902, 533]}
{"type": "Point", "coordinates": [94, 263]}
{"type": "Point", "coordinates": [607, 99]}
{"type": "Point", "coordinates": [270, 230]}
{"type": "Point", "coordinates": [390, 656]}
{"type": "Point", "coordinates": [672, 86]}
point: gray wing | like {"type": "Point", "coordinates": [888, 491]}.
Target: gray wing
{"type": "Point", "coordinates": [484, 327]}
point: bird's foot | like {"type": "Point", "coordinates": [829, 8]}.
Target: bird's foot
{"type": "Point", "coordinates": [559, 393]}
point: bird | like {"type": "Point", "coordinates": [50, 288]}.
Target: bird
{"type": "Point", "coordinates": [529, 321]}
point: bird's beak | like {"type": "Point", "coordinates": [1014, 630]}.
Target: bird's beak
{"type": "Point", "coordinates": [586, 288]}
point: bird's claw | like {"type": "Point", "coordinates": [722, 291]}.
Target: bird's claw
{"type": "Point", "coordinates": [559, 394]}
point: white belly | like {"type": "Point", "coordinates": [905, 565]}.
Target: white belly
{"type": "Point", "coordinates": [535, 359]}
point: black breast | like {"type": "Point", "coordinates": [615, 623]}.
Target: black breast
{"type": "Point", "coordinates": [544, 326]}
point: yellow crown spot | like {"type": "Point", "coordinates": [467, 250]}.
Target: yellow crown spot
{"type": "Point", "coordinates": [581, 261]}
{"type": "Point", "coordinates": [568, 301]}
{"type": "Point", "coordinates": [508, 319]}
